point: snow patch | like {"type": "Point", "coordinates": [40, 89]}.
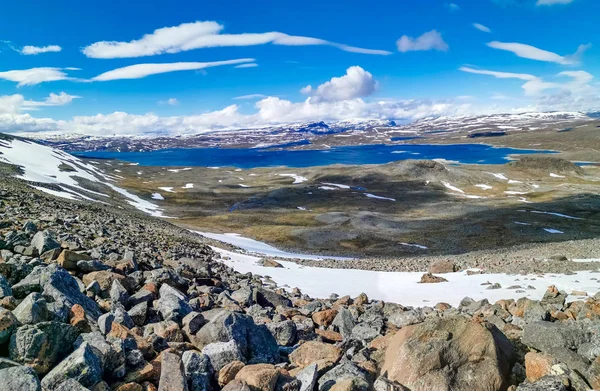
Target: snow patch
{"type": "Point", "coordinates": [297, 178]}
{"type": "Point", "coordinates": [157, 196]}
{"type": "Point", "coordinates": [379, 197]}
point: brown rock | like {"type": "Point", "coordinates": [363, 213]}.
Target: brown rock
{"type": "Point", "coordinates": [315, 352]}
{"type": "Point", "coordinates": [362, 299]}
{"type": "Point", "coordinates": [141, 374]}
{"type": "Point", "coordinates": [229, 371]}
{"type": "Point", "coordinates": [381, 341]}
{"type": "Point", "coordinates": [147, 386]}
{"type": "Point", "coordinates": [169, 330]}
{"type": "Point", "coordinates": [344, 385]}
{"type": "Point", "coordinates": [329, 335]}
{"type": "Point", "coordinates": [442, 307]}
{"type": "Point", "coordinates": [8, 323]}
{"type": "Point", "coordinates": [442, 267]}
{"type": "Point", "coordinates": [77, 319]}
{"type": "Point", "coordinates": [68, 259]}
{"type": "Point", "coordinates": [537, 365]}
{"type": "Point", "coordinates": [130, 387]}
{"type": "Point", "coordinates": [259, 377]}
{"type": "Point", "coordinates": [105, 279]}
{"type": "Point", "coordinates": [429, 278]}
{"type": "Point", "coordinates": [8, 302]}
{"type": "Point", "coordinates": [343, 301]}
{"type": "Point", "coordinates": [270, 263]}
{"type": "Point", "coordinates": [324, 318]}
{"type": "Point", "coordinates": [449, 353]}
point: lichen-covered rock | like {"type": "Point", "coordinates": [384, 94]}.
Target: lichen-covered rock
{"type": "Point", "coordinates": [19, 378]}
{"type": "Point", "coordinates": [33, 309]}
{"type": "Point", "coordinates": [172, 377]}
{"type": "Point", "coordinates": [83, 365]}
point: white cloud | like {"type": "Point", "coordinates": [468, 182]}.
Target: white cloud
{"type": "Point", "coordinates": [552, 2]}
{"type": "Point", "coordinates": [250, 97]}
{"type": "Point", "coordinates": [453, 6]}
{"type": "Point", "coordinates": [356, 83]}
{"type": "Point", "coordinates": [250, 65]}
{"type": "Point", "coordinates": [535, 85]}
{"type": "Point", "coordinates": [431, 40]}
{"type": "Point", "coordinates": [170, 102]}
{"type": "Point", "coordinates": [29, 77]}
{"type": "Point", "coordinates": [199, 35]}
{"type": "Point", "coordinates": [139, 71]}
{"type": "Point", "coordinates": [33, 50]}
{"type": "Point", "coordinates": [12, 104]}
{"type": "Point", "coordinates": [52, 100]}
{"type": "Point", "coordinates": [481, 27]}
{"type": "Point", "coordinates": [533, 53]}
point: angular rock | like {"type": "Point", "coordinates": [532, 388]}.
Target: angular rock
{"type": "Point", "coordinates": [284, 332]}
{"type": "Point", "coordinates": [71, 385]}
{"type": "Point", "coordinates": [44, 241]}
{"type": "Point", "coordinates": [548, 383]}
{"type": "Point", "coordinates": [68, 259]}
{"type": "Point", "coordinates": [259, 377]}
{"type": "Point", "coordinates": [172, 305]}
{"type": "Point", "coordinates": [197, 369]}
{"type": "Point", "coordinates": [344, 322]}
{"type": "Point", "coordinates": [8, 323]}
{"type": "Point", "coordinates": [429, 278]}
{"type": "Point", "coordinates": [442, 267]}
{"type": "Point", "coordinates": [112, 355]}
{"type": "Point", "coordinates": [138, 313]}
{"type": "Point", "coordinates": [172, 377]}
{"type": "Point", "coordinates": [118, 293]}
{"type": "Point", "coordinates": [324, 318]}
{"type": "Point", "coordinates": [222, 353]}
{"type": "Point", "coordinates": [83, 365]}
{"type": "Point", "coordinates": [228, 372]}
{"type": "Point", "coordinates": [42, 345]}
{"type": "Point", "coordinates": [5, 288]}
{"type": "Point", "coordinates": [348, 373]}
{"type": "Point", "coordinates": [33, 309]}
{"type": "Point", "coordinates": [449, 353]}
{"type": "Point", "coordinates": [547, 336]}
{"type": "Point", "coordinates": [19, 378]}
{"type": "Point", "coordinates": [308, 377]}
{"type": "Point", "coordinates": [315, 352]}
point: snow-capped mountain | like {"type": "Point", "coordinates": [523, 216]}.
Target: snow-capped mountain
{"type": "Point", "coordinates": [300, 135]}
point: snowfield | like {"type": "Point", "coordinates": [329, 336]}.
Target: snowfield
{"type": "Point", "coordinates": [42, 164]}
{"type": "Point", "coordinates": [404, 287]}
{"type": "Point", "coordinates": [297, 178]}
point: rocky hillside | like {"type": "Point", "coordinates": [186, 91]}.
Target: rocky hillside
{"type": "Point", "coordinates": [97, 298]}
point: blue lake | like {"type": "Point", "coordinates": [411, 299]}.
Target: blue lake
{"type": "Point", "coordinates": [363, 154]}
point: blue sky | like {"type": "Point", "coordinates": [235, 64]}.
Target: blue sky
{"type": "Point", "coordinates": [414, 59]}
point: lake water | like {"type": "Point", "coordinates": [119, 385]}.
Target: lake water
{"type": "Point", "coordinates": [362, 154]}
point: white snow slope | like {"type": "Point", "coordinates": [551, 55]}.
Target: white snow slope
{"type": "Point", "coordinates": [41, 164]}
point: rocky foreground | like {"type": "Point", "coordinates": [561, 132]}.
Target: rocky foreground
{"type": "Point", "coordinates": [94, 298]}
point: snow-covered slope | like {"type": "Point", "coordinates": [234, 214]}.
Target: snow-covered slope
{"type": "Point", "coordinates": [61, 174]}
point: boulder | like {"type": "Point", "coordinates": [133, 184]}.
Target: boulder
{"type": "Point", "coordinates": [222, 353]}
{"type": "Point", "coordinates": [324, 318]}
{"type": "Point", "coordinates": [83, 365]}
{"type": "Point", "coordinates": [537, 365]}
{"type": "Point", "coordinates": [33, 309]}
{"type": "Point", "coordinates": [43, 241]}
{"type": "Point", "coordinates": [19, 378]}
{"type": "Point", "coordinates": [308, 377]}
{"type": "Point", "coordinates": [548, 383]}
{"type": "Point", "coordinates": [315, 352]}
{"type": "Point", "coordinates": [5, 288]}
{"type": "Point", "coordinates": [68, 259]}
{"type": "Point", "coordinates": [42, 345]}
{"type": "Point", "coordinates": [228, 372]}
{"type": "Point", "coordinates": [429, 278]}
{"type": "Point", "coordinates": [344, 322]}
{"type": "Point", "coordinates": [172, 377]}
{"type": "Point", "coordinates": [548, 336]}
{"type": "Point", "coordinates": [284, 332]}
{"type": "Point", "coordinates": [118, 293]}
{"type": "Point", "coordinates": [268, 298]}
{"type": "Point", "coordinates": [112, 355]}
{"type": "Point", "coordinates": [259, 377]}
{"type": "Point", "coordinates": [442, 267]}
{"type": "Point", "coordinates": [172, 305]}
{"type": "Point", "coordinates": [345, 376]}
{"type": "Point", "coordinates": [8, 323]}
{"type": "Point", "coordinates": [71, 385]}
{"type": "Point", "coordinates": [197, 369]}
{"type": "Point", "coordinates": [255, 342]}
{"type": "Point", "coordinates": [449, 353]}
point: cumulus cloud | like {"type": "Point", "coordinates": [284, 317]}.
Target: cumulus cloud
{"type": "Point", "coordinates": [481, 27]}
{"type": "Point", "coordinates": [11, 104]}
{"type": "Point", "coordinates": [431, 40]}
{"type": "Point", "coordinates": [29, 77]}
{"type": "Point", "coordinates": [356, 83]}
{"type": "Point", "coordinates": [33, 50]}
{"type": "Point", "coordinates": [580, 80]}
{"type": "Point", "coordinates": [203, 34]}
{"type": "Point", "coordinates": [139, 71]}
{"type": "Point", "coordinates": [552, 2]}
{"type": "Point", "coordinates": [533, 53]}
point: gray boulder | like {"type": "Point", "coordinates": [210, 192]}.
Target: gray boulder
{"type": "Point", "coordinates": [118, 293]}
{"type": "Point", "coordinates": [5, 289]}
{"type": "Point", "coordinates": [112, 355]}
{"type": "Point", "coordinates": [42, 345]}
{"type": "Point", "coordinates": [171, 373]}
{"type": "Point", "coordinates": [255, 342]}
{"type": "Point", "coordinates": [284, 332]}
{"type": "Point", "coordinates": [406, 318]}
{"type": "Point", "coordinates": [138, 313]}
{"type": "Point", "coordinates": [19, 378]}
{"type": "Point", "coordinates": [345, 371]}
{"type": "Point", "coordinates": [547, 336]}
{"type": "Point", "coordinates": [83, 365]}
{"type": "Point", "coordinates": [344, 321]}
{"type": "Point", "coordinates": [172, 304]}
{"type": "Point", "coordinates": [197, 369]}
{"type": "Point", "coordinates": [222, 353]}
{"type": "Point", "coordinates": [71, 385]}
{"type": "Point", "coordinates": [43, 241]}
{"type": "Point", "coordinates": [547, 383]}
{"type": "Point", "coordinates": [33, 309]}
{"type": "Point", "coordinates": [308, 377]}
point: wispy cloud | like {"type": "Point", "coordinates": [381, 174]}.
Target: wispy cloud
{"type": "Point", "coordinates": [52, 100]}
{"type": "Point", "coordinates": [535, 85]}
{"type": "Point", "coordinates": [250, 97]}
{"type": "Point", "coordinates": [139, 71]}
{"type": "Point", "coordinates": [170, 102]}
{"type": "Point", "coordinates": [431, 40]}
{"type": "Point", "coordinates": [204, 34]}
{"type": "Point", "coordinates": [453, 6]}
{"type": "Point", "coordinates": [553, 2]}
{"type": "Point", "coordinates": [356, 83]}
{"type": "Point", "coordinates": [33, 76]}
{"type": "Point", "coordinates": [481, 27]}
{"type": "Point", "coordinates": [533, 53]}
{"type": "Point", "coordinates": [250, 65]}
{"type": "Point", "coordinates": [33, 50]}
